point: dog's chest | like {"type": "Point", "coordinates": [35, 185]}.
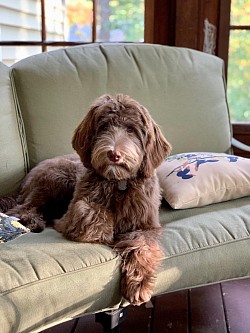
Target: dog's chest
{"type": "Point", "coordinates": [130, 202]}
{"type": "Point", "coordinates": [131, 208]}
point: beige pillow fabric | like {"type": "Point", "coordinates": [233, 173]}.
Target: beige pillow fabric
{"type": "Point", "coordinates": [198, 179]}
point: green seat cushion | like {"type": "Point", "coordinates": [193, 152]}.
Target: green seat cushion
{"type": "Point", "coordinates": [205, 245]}
{"type": "Point", "coordinates": [49, 279]}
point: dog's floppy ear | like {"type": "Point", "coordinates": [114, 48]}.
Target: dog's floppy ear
{"type": "Point", "coordinates": [84, 133]}
{"type": "Point", "coordinates": [157, 149]}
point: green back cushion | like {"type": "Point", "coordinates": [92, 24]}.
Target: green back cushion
{"type": "Point", "coordinates": [183, 90]}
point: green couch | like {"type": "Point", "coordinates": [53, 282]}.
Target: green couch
{"type": "Point", "coordinates": [45, 279]}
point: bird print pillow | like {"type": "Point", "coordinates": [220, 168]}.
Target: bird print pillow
{"type": "Point", "coordinates": [10, 228]}
{"type": "Point", "coordinates": [198, 179]}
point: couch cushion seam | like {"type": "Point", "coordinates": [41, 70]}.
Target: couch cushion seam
{"type": "Point", "coordinates": [199, 248]}
{"type": "Point", "coordinates": [20, 124]}
{"type": "Point", "coordinates": [221, 189]}
{"type": "Point", "coordinates": [2, 293]}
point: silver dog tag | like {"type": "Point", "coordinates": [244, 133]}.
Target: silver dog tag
{"type": "Point", "coordinates": [122, 184]}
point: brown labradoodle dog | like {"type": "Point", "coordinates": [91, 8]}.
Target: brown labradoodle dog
{"type": "Point", "coordinates": [116, 194]}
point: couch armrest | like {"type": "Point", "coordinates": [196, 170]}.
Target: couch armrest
{"type": "Point", "coordinates": [240, 145]}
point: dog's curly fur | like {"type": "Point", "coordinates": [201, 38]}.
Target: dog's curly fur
{"type": "Point", "coordinates": [116, 192]}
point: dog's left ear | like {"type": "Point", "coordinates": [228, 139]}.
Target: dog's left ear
{"type": "Point", "coordinates": [83, 135]}
{"type": "Point", "coordinates": [158, 148]}
{"type": "Point", "coordinates": [81, 140]}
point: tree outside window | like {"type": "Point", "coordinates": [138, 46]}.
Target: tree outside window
{"type": "Point", "coordinates": [238, 86]}
{"type": "Point", "coordinates": [114, 20]}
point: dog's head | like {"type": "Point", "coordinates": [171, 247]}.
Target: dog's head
{"type": "Point", "coordinates": [119, 139]}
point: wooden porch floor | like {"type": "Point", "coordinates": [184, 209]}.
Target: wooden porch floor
{"type": "Point", "coordinates": [220, 308]}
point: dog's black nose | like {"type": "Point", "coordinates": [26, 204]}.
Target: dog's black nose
{"type": "Point", "coordinates": [114, 155]}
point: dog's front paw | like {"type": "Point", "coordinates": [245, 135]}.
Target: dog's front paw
{"type": "Point", "coordinates": [137, 292]}
{"type": "Point", "coordinates": [59, 225]}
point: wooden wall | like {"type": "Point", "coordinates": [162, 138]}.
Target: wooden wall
{"type": "Point", "coordinates": [182, 23]}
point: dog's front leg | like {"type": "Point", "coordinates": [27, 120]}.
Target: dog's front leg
{"type": "Point", "coordinates": [141, 254]}
{"type": "Point", "coordinates": [86, 222]}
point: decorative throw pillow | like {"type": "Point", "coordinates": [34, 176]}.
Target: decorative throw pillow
{"type": "Point", "coordinates": [199, 179]}
{"type": "Point", "coordinates": [10, 228]}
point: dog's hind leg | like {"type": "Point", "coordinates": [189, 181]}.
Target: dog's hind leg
{"type": "Point", "coordinates": [31, 201]}
{"type": "Point", "coordinates": [29, 217]}
{"type": "Point", "coordinates": [27, 214]}
{"type": "Point", "coordinates": [7, 203]}
{"type": "Point", "coordinates": [141, 254]}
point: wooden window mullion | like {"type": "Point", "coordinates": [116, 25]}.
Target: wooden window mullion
{"type": "Point", "coordinates": [43, 26]}
{"type": "Point", "coordinates": [223, 31]}
{"type": "Point", "coordinates": [94, 21]}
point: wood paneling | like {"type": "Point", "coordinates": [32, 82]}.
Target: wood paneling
{"type": "Point", "coordinates": [187, 23]}
{"type": "Point", "coordinates": [181, 23]}
{"type": "Point", "coordinates": [190, 20]}
{"type": "Point", "coordinates": [223, 31]}
{"type": "Point", "coordinates": [160, 22]}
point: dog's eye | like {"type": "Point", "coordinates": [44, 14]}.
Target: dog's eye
{"type": "Point", "coordinates": [130, 129]}
{"type": "Point", "coordinates": [144, 133]}
{"type": "Point", "coordinates": [103, 128]}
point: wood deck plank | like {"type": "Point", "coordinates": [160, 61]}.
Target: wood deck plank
{"type": "Point", "coordinates": [171, 313]}
{"type": "Point", "coordinates": [87, 324]}
{"type": "Point", "coordinates": [138, 319]}
{"type": "Point", "coordinates": [206, 310]}
{"type": "Point", "coordinates": [65, 327]}
{"type": "Point", "coordinates": [237, 305]}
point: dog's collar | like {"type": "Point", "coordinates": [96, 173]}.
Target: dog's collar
{"type": "Point", "coordinates": [122, 184]}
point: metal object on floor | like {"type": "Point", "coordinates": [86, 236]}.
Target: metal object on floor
{"type": "Point", "coordinates": [111, 320]}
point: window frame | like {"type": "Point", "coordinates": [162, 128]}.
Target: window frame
{"type": "Point", "coordinates": [241, 130]}
{"type": "Point", "coordinates": [43, 42]}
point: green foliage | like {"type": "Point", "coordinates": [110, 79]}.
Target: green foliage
{"type": "Point", "coordinates": [116, 20]}
{"type": "Point", "coordinates": [128, 16]}
{"type": "Point", "coordinates": [238, 88]}
{"type": "Point", "coordinates": [124, 19]}
{"type": "Point", "coordinates": [240, 12]}
{"type": "Point", "coordinates": [239, 75]}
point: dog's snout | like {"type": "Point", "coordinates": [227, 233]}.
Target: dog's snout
{"type": "Point", "coordinates": [114, 155]}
